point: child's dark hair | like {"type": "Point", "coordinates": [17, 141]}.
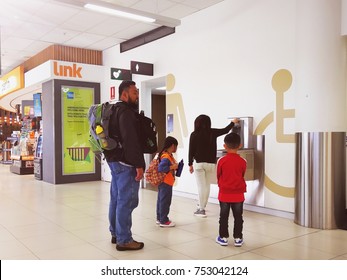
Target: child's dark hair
{"type": "Point", "coordinates": [167, 144]}
{"type": "Point", "coordinates": [232, 140]}
{"type": "Point", "coordinates": [202, 122]}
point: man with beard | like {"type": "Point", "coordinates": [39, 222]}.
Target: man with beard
{"type": "Point", "coordinates": [127, 167]}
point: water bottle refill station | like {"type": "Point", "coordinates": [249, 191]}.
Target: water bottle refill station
{"type": "Point", "coordinates": [252, 149]}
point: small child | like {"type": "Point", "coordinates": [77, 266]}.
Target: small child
{"type": "Point", "coordinates": [232, 186]}
{"type": "Point", "coordinates": [167, 165]}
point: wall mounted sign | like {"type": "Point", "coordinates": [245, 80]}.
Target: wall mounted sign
{"type": "Point", "coordinates": [141, 68]}
{"type": "Point", "coordinates": [12, 81]}
{"type": "Point", "coordinates": [112, 93]}
{"type": "Point", "coordinates": [120, 74]}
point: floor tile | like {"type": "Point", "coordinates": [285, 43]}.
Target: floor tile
{"type": "Point", "coordinates": [289, 251]}
{"type": "Point", "coordinates": [156, 254]}
{"type": "Point", "coordinates": [80, 252]}
{"type": "Point", "coordinates": [11, 249]}
{"type": "Point", "coordinates": [51, 242]}
{"type": "Point", "coordinates": [109, 248]}
{"type": "Point", "coordinates": [246, 256]}
{"type": "Point", "coordinates": [328, 243]}
{"type": "Point", "coordinates": [170, 236]}
{"type": "Point", "coordinates": [39, 220]}
{"type": "Point", "coordinates": [35, 230]}
{"type": "Point", "coordinates": [206, 249]}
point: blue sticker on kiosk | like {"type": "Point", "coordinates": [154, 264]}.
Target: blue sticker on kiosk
{"type": "Point", "coordinates": [70, 95]}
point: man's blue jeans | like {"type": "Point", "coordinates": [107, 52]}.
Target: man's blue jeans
{"type": "Point", "coordinates": [124, 199]}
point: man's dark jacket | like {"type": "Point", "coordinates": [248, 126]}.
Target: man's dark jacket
{"type": "Point", "coordinates": [124, 123]}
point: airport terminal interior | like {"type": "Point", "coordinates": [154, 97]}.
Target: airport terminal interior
{"type": "Point", "coordinates": [43, 221]}
{"type": "Point", "coordinates": [281, 63]}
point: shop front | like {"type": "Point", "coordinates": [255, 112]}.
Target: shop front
{"type": "Point", "coordinates": [53, 143]}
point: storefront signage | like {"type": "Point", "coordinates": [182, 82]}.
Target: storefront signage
{"type": "Point", "coordinates": [73, 71]}
{"type": "Point", "coordinates": [64, 70]}
{"type": "Point", "coordinates": [12, 81]}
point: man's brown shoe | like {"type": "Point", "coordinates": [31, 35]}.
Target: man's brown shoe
{"type": "Point", "coordinates": [133, 245]}
{"type": "Point", "coordinates": [114, 240]}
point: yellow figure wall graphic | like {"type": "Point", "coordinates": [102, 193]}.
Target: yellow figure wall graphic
{"type": "Point", "coordinates": [281, 82]}
{"type": "Point", "coordinates": [175, 108]}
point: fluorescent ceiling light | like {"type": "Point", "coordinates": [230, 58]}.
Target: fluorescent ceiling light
{"type": "Point", "coordinates": [119, 13]}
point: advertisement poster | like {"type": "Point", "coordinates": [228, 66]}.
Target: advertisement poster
{"type": "Point", "coordinates": [77, 155]}
{"type": "Point", "coordinates": [37, 105]}
{"type": "Point", "coordinates": [169, 123]}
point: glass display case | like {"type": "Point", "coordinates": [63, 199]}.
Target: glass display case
{"type": "Point", "coordinates": [22, 155]}
{"type": "Point", "coordinates": [38, 158]}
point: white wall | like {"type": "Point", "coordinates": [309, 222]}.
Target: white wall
{"type": "Point", "coordinates": [223, 60]}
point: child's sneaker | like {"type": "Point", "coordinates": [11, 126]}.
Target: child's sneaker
{"type": "Point", "coordinates": [168, 224]}
{"type": "Point", "coordinates": [222, 241]}
{"type": "Point", "coordinates": [238, 242]}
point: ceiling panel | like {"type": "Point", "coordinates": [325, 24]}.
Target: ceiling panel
{"type": "Point", "coordinates": [51, 13]}
{"type": "Point", "coordinates": [29, 26]}
{"type": "Point", "coordinates": [111, 26]}
{"type": "Point", "coordinates": [84, 40]}
{"type": "Point", "coordinates": [16, 43]}
{"type": "Point", "coordinates": [134, 30]}
{"type": "Point", "coordinates": [201, 4]}
{"type": "Point", "coordinates": [106, 43]}
{"type": "Point", "coordinates": [179, 11]}
{"type": "Point", "coordinates": [59, 36]}
{"type": "Point", "coordinates": [32, 31]}
{"type": "Point", "coordinates": [155, 7]}
{"type": "Point", "coordinates": [84, 20]}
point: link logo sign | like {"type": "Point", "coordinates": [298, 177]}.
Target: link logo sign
{"type": "Point", "coordinates": [73, 71]}
{"type": "Point", "coordinates": [76, 71]}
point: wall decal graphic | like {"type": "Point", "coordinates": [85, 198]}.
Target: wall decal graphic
{"type": "Point", "coordinates": [281, 82]}
{"type": "Point", "coordinates": [175, 108]}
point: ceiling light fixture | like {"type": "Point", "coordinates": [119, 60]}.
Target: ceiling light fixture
{"type": "Point", "coordinates": [119, 13]}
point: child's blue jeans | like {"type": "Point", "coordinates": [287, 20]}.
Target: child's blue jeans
{"type": "Point", "coordinates": [164, 202]}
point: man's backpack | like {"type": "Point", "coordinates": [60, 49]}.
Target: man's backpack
{"type": "Point", "coordinates": [148, 134]}
{"type": "Point", "coordinates": [99, 118]}
{"type": "Point", "coordinates": [152, 175]}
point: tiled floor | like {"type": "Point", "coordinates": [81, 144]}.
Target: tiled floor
{"type": "Point", "coordinates": [54, 222]}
